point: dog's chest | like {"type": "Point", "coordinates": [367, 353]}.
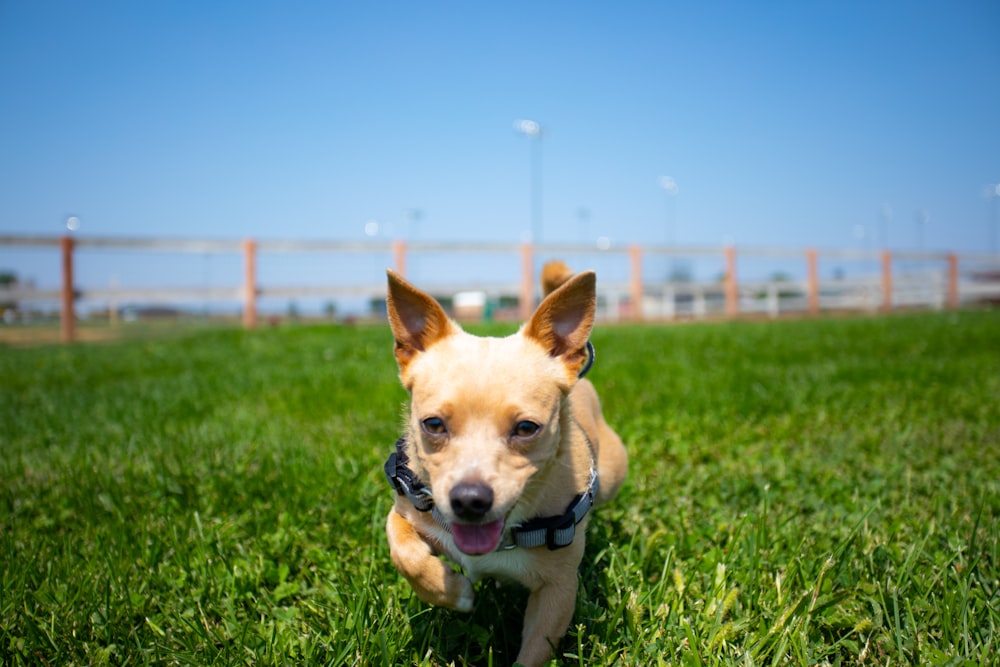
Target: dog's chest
{"type": "Point", "coordinates": [506, 564]}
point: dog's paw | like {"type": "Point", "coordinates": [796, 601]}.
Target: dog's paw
{"type": "Point", "coordinates": [443, 586]}
{"type": "Point", "coordinates": [467, 597]}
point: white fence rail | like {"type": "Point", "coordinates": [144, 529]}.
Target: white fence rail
{"type": "Point", "coordinates": [940, 279]}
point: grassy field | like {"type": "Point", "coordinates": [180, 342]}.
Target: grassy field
{"type": "Point", "coordinates": [801, 492]}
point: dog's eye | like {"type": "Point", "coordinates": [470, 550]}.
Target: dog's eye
{"type": "Point", "coordinates": [526, 429]}
{"type": "Point", "coordinates": [434, 426]}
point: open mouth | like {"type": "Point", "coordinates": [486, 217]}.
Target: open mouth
{"type": "Point", "coordinates": [476, 539]}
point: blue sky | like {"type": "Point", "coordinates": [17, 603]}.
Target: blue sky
{"type": "Point", "coordinates": [782, 123]}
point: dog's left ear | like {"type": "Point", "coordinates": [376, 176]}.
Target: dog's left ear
{"type": "Point", "coordinates": [563, 321]}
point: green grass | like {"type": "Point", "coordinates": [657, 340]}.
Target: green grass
{"type": "Point", "coordinates": [803, 492]}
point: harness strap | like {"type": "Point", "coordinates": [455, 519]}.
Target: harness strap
{"type": "Point", "coordinates": [405, 482]}
{"type": "Point", "coordinates": [555, 532]}
{"type": "Point", "coordinates": [591, 355]}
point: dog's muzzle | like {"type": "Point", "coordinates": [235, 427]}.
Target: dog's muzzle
{"type": "Point", "coordinates": [554, 532]}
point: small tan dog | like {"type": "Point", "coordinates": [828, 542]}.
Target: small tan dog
{"type": "Point", "coordinates": [505, 451]}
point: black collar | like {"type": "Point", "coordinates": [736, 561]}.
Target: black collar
{"type": "Point", "coordinates": [555, 532]}
{"type": "Point", "coordinates": [591, 355]}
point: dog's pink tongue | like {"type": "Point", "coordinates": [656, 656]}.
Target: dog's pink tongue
{"type": "Point", "coordinates": [476, 539]}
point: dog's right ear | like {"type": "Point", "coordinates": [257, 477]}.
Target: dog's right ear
{"type": "Point", "coordinates": [416, 319]}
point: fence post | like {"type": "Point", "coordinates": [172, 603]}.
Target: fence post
{"type": "Point", "coordinates": [527, 300]}
{"type": "Point", "coordinates": [399, 256]}
{"type": "Point", "coordinates": [813, 281]}
{"type": "Point", "coordinates": [635, 281]}
{"type": "Point", "coordinates": [67, 315]}
{"type": "Point", "coordinates": [249, 283]}
{"type": "Point", "coordinates": [886, 280]}
{"type": "Point", "coordinates": [952, 281]}
{"type": "Point", "coordinates": [732, 296]}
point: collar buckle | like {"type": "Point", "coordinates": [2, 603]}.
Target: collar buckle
{"type": "Point", "coordinates": [402, 479]}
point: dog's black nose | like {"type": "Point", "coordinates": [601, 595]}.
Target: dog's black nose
{"type": "Point", "coordinates": [471, 502]}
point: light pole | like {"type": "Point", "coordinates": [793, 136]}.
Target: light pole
{"type": "Point", "coordinates": [583, 214]}
{"type": "Point", "coordinates": [413, 218]}
{"type": "Point", "coordinates": [921, 219]}
{"type": "Point", "coordinates": [533, 131]}
{"type": "Point", "coordinates": [993, 195]}
{"type": "Point", "coordinates": [669, 186]}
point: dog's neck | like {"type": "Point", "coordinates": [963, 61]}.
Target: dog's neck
{"type": "Point", "coordinates": [554, 532]}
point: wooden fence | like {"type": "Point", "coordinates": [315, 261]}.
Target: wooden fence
{"type": "Point", "coordinates": [633, 299]}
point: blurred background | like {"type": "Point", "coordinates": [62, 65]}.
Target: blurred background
{"type": "Point", "coordinates": [849, 125]}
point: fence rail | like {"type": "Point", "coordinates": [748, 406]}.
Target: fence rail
{"type": "Point", "coordinates": [636, 298]}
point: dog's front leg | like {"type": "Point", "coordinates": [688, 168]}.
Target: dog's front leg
{"type": "Point", "coordinates": [434, 581]}
{"type": "Point", "coordinates": [546, 618]}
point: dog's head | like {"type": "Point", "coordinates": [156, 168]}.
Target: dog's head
{"type": "Point", "coordinates": [486, 414]}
